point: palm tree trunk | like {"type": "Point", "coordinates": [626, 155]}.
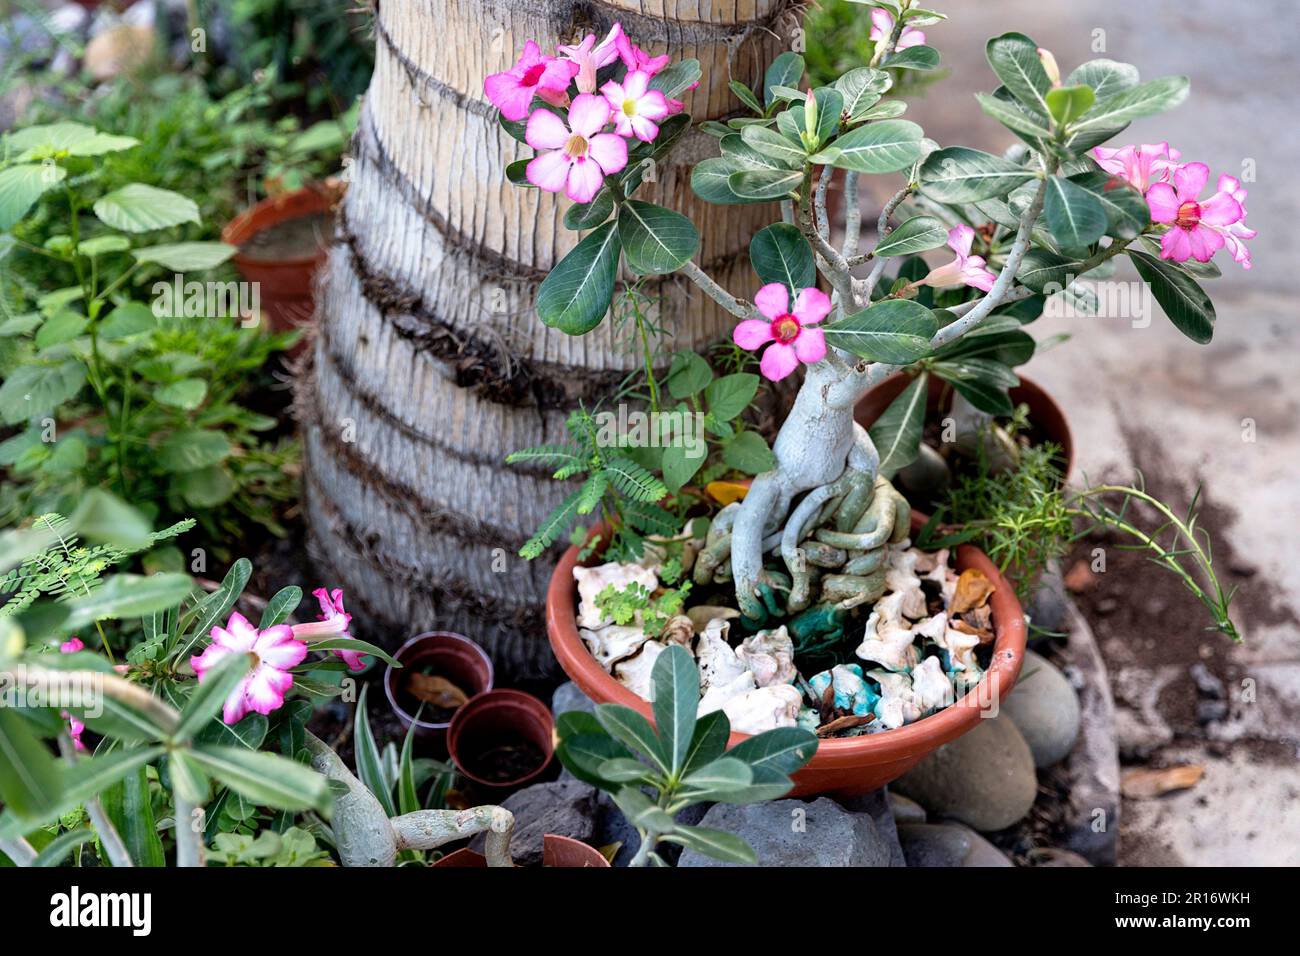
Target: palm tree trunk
{"type": "Point", "coordinates": [430, 365]}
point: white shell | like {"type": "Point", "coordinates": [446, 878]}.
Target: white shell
{"type": "Point", "coordinates": [702, 614]}
{"type": "Point", "coordinates": [898, 704]}
{"type": "Point", "coordinates": [764, 708]}
{"type": "Point", "coordinates": [718, 663]}
{"type": "Point", "coordinates": [591, 581]}
{"type": "Point", "coordinates": [888, 638]}
{"type": "Point", "coordinates": [613, 642]}
{"type": "Point", "coordinates": [930, 685]}
{"type": "Point", "coordinates": [770, 655]}
{"type": "Point", "coordinates": [634, 673]}
{"type": "Point", "coordinates": [716, 697]}
{"type": "Point", "coordinates": [900, 576]}
{"type": "Point", "coordinates": [961, 648]}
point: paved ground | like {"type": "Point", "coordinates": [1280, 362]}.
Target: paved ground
{"type": "Point", "coordinates": [1225, 414]}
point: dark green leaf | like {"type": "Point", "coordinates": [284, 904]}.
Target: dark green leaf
{"type": "Point", "coordinates": [1075, 216]}
{"type": "Point", "coordinates": [676, 682]}
{"type": "Point", "coordinates": [784, 750]}
{"type": "Point", "coordinates": [958, 174]}
{"type": "Point", "coordinates": [882, 147]}
{"type": "Point", "coordinates": [266, 779]}
{"type": "Point", "coordinates": [918, 234]}
{"type": "Point", "coordinates": [1184, 302]}
{"type": "Point", "coordinates": [1014, 58]}
{"type": "Point", "coordinates": [897, 433]}
{"type": "Point", "coordinates": [655, 240]}
{"type": "Point", "coordinates": [718, 844]}
{"type": "Point", "coordinates": [748, 452]}
{"type": "Point", "coordinates": [785, 70]}
{"type": "Point", "coordinates": [895, 331]}
{"type": "Point", "coordinates": [629, 727]}
{"type": "Point", "coordinates": [575, 297]}
{"type": "Point", "coordinates": [780, 253]}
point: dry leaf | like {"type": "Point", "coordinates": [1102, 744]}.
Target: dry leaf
{"type": "Point", "coordinates": [846, 722]}
{"type": "Point", "coordinates": [973, 590]}
{"type": "Point", "coordinates": [436, 690]}
{"type": "Point", "coordinates": [1080, 577]}
{"type": "Point", "coordinates": [1146, 783]}
{"type": "Point", "coordinates": [986, 636]}
{"type": "Point", "coordinates": [725, 492]}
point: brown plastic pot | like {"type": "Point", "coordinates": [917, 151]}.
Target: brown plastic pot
{"type": "Point", "coordinates": [1046, 417]}
{"type": "Point", "coordinates": [452, 656]}
{"type": "Point", "coordinates": [557, 851]}
{"type": "Point", "coordinates": [494, 719]}
{"type": "Point", "coordinates": [847, 766]}
{"type": "Point", "coordinates": [285, 286]}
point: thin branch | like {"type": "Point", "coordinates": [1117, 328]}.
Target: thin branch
{"type": "Point", "coordinates": [882, 230]}
{"type": "Point", "coordinates": [109, 838]}
{"type": "Point", "coordinates": [714, 291]}
{"type": "Point", "coordinates": [852, 216]}
{"type": "Point", "coordinates": [18, 850]}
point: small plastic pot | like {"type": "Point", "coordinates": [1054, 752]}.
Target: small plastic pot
{"type": "Point", "coordinates": [285, 286]}
{"type": "Point", "coordinates": [449, 655]}
{"type": "Point", "coordinates": [497, 719]}
{"type": "Point", "coordinates": [557, 851]}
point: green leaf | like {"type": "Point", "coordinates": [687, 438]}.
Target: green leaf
{"type": "Point", "coordinates": [1141, 100]}
{"type": "Point", "coordinates": [1127, 213]}
{"type": "Point", "coordinates": [744, 156]}
{"type": "Point", "coordinates": [1014, 58]}
{"type": "Point", "coordinates": [983, 382]}
{"type": "Point", "coordinates": [958, 174]}
{"type": "Point", "coordinates": [895, 331]}
{"type": "Point", "coordinates": [748, 452]}
{"type": "Point", "coordinates": [216, 605]}
{"type": "Point", "coordinates": [352, 644]}
{"type": "Point", "coordinates": [711, 181]}
{"type": "Point", "coordinates": [675, 79]}
{"type": "Point", "coordinates": [21, 186]}
{"type": "Point", "coordinates": [1068, 103]}
{"type": "Point", "coordinates": [678, 467]}
{"type": "Point", "coordinates": [591, 214]}
{"type": "Point", "coordinates": [1183, 301]}
{"type": "Point", "coordinates": [583, 754]}
{"type": "Point", "coordinates": [1012, 115]}
{"type": "Point", "coordinates": [1104, 77]}
{"type": "Point", "coordinates": [640, 812]}
{"type": "Point", "coordinates": [140, 208]}
{"type": "Point", "coordinates": [369, 763]}
{"type": "Point", "coordinates": [1045, 271]}
{"type": "Point", "coordinates": [187, 778]}
{"type": "Point", "coordinates": [897, 433]}
{"type": "Point", "coordinates": [551, 528]}
{"type": "Point", "coordinates": [780, 253]}
{"type": "Point", "coordinates": [188, 393]}
{"type": "Point", "coordinates": [774, 146]}
{"type": "Point", "coordinates": [709, 741]}
{"type": "Point", "coordinates": [189, 449]}
{"type": "Point", "coordinates": [206, 487]}
{"type": "Point", "coordinates": [913, 58]}
{"type": "Point", "coordinates": [248, 733]}
{"type": "Point", "coordinates": [281, 606]}
{"type": "Point", "coordinates": [714, 843]}
{"type": "Point", "coordinates": [633, 480]}
{"type": "Point", "coordinates": [630, 728]}
{"type": "Point", "coordinates": [72, 139]}
{"type": "Point", "coordinates": [575, 297]}
{"type": "Point", "coordinates": [1075, 217]}
{"type": "Point", "coordinates": [688, 374]}
{"type": "Point", "coordinates": [266, 779]}
{"type": "Point", "coordinates": [57, 850]}
{"type": "Point", "coordinates": [882, 147]}
{"type": "Point", "coordinates": [999, 339]}
{"type": "Point", "coordinates": [861, 89]}
{"type": "Point", "coordinates": [129, 806]}
{"type": "Point", "coordinates": [918, 234]}
{"type": "Point", "coordinates": [207, 697]}
{"type": "Point", "coordinates": [187, 256]}
{"type": "Point", "coordinates": [59, 328]}
{"type": "Point", "coordinates": [721, 774]}
{"type": "Point", "coordinates": [39, 388]}
{"type": "Point", "coordinates": [29, 779]}
{"type": "Point", "coordinates": [126, 596]}
{"type": "Point", "coordinates": [78, 783]}
{"type": "Point", "coordinates": [131, 318]}
{"type": "Point", "coordinates": [785, 70]}
{"type": "Point", "coordinates": [746, 96]}
{"type": "Point", "coordinates": [676, 682]}
{"type": "Point", "coordinates": [730, 395]}
{"type": "Point", "coordinates": [784, 750]}
{"type": "Point", "coordinates": [103, 245]}
{"type": "Point", "coordinates": [764, 184]}
{"type": "Point", "coordinates": [626, 770]}
{"type": "Point", "coordinates": [655, 240]}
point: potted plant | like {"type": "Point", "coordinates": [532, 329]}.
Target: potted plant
{"type": "Point", "coordinates": [502, 740]}
{"type": "Point", "coordinates": [439, 673]}
{"type": "Point", "coordinates": [822, 532]}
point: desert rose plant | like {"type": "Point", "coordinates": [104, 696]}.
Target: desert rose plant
{"type": "Point", "coordinates": [1020, 226]}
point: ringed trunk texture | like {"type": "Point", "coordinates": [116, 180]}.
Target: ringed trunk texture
{"type": "Point", "coordinates": [430, 364]}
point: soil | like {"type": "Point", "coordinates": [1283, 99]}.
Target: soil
{"type": "Point", "coordinates": [300, 238]}
{"type": "Point", "coordinates": [505, 762]}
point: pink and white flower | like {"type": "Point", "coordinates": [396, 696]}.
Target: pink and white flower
{"type": "Point", "coordinates": [274, 652]}
{"type": "Point", "coordinates": [637, 59]}
{"type": "Point", "coordinates": [963, 270]}
{"type": "Point", "coordinates": [589, 56]}
{"type": "Point", "coordinates": [512, 92]}
{"type": "Point", "coordinates": [576, 157]}
{"type": "Point", "coordinates": [334, 622]}
{"type": "Point", "coordinates": [1197, 228]}
{"type": "Point", "coordinates": [1236, 234]}
{"type": "Point", "coordinates": [75, 727]}
{"type": "Point", "coordinates": [787, 328]}
{"type": "Point", "coordinates": [635, 107]}
{"type": "Point", "coordinates": [882, 25]}
{"type": "Point", "coordinates": [1139, 166]}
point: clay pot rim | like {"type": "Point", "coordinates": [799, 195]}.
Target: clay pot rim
{"type": "Point", "coordinates": [486, 699]}
{"type": "Point", "coordinates": [549, 840]}
{"type": "Point", "coordinates": [925, 735]}
{"type": "Point", "coordinates": [389, 671]}
{"type": "Point", "coordinates": [270, 212]}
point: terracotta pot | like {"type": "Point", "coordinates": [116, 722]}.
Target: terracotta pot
{"type": "Point", "coordinates": [452, 656]}
{"type": "Point", "coordinates": [1045, 415]}
{"type": "Point", "coordinates": [557, 851]}
{"type": "Point", "coordinates": [847, 766]}
{"type": "Point", "coordinates": [285, 286]}
{"type": "Point", "coordinates": [494, 719]}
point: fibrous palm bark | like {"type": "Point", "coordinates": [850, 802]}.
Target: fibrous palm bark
{"type": "Point", "coordinates": [430, 365]}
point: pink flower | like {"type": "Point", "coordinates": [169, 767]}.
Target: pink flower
{"type": "Point", "coordinates": [590, 56]}
{"type": "Point", "coordinates": [882, 25]}
{"type": "Point", "coordinates": [1139, 166]}
{"type": "Point", "coordinates": [577, 157]}
{"type": "Point", "coordinates": [1197, 229]}
{"type": "Point", "coordinates": [1234, 235]}
{"type": "Point", "coordinates": [333, 621]}
{"type": "Point", "coordinates": [635, 107]}
{"type": "Point", "coordinates": [965, 269]}
{"type": "Point", "coordinates": [546, 76]}
{"type": "Point", "coordinates": [635, 58]}
{"type": "Point", "coordinates": [75, 727]}
{"type": "Point", "coordinates": [787, 329]}
{"type": "Point", "coordinates": [274, 651]}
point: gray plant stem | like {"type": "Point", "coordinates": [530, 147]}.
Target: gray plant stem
{"type": "Point", "coordinates": [189, 842]}
{"type": "Point", "coordinates": [852, 216]}
{"type": "Point", "coordinates": [715, 291]}
{"type": "Point", "coordinates": [109, 838]}
{"type": "Point", "coordinates": [649, 839]}
{"type": "Point", "coordinates": [18, 850]}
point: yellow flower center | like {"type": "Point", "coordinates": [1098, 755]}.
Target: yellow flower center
{"type": "Point", "coordinates": [629, 107]}
{"type": "Point", "coordinates": [785, 329]}
{"type": "Point", "coordinates": [576, 147]}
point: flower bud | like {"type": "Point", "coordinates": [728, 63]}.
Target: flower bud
{"type": "Point", "coordinates": [1049, 64]}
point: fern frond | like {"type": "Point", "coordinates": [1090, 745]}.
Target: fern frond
{"type": "Point", "coordinates": [552, 527]}
{"type": "Point", "coordinates": [634, 481]}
